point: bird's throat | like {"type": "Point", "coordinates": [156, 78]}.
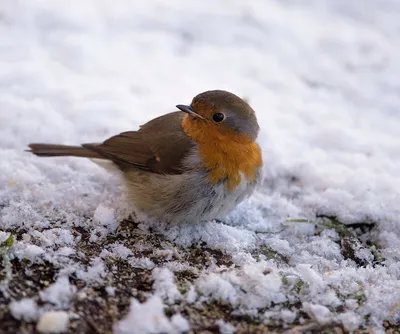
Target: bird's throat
{"type": "Point", "coordinates": [225, 154]}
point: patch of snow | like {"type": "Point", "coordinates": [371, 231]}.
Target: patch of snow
{"type": "Point", "coordinates": [280, 246]}
{"type": "Point", "coordinates": [29, 252]}
{"type": "Point", "coordinates": [58, 236]}
{"type": "Point", "coordinates": [328, 298]}
{"type": "Point", "coordinates": [180, 323]}
{"type": "Point", "coordinates": [288, 316]}
{"type": "Point", "coordinates": [351, 304]}
{"type": "Point", "coordinates": [191, 295]}
{"type": "Point", "coordinates": [164, 285]}
{"type": "Point", "coordinates": [143, 263]}
{"type": "Point", "coordinates": [105, 223]}
{"type": "Point", "coordinates": [252, 286]}
{"type": "Point", "coordinates": [318, 312]}
{"type": "Point", "coordinates": [117, 251]}
{"type": "Point", "coordinates": [212, 234]}
{"type": "Point", "coordinates": [225, 327]}
{"type": "Point", "coordinates": [95, 273]}
{"type": "Point", "coordinates": [110, 291]}
{"type": "Point", "coordinates": [59, 293]}
{"type": "Point", "coordinates": [350, 320]}
{"type": "Point", "coordinates": [149, 318]}
{"type": "Point", "coordinates": [120, 251]}
{"type": "Point", "coordinates": [364, 254]}
{"type": "Point", "coordinates": [25, 309]}
{"type": "Point", "coordinates": [65, 251]}
{"type": "Point", "coordinates": [314, 280]}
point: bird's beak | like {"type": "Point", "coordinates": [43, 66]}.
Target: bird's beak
{"type": "Point", "coordinates": [189, 110]}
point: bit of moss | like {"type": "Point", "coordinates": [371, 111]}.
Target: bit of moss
{"type": "Point", "coordinates": [8, 243]}
{"type": "Point", "coordinates": [361, 297]}
{"type": "Point", "coordinates": [299, 220]}
{"type": "Point", "coordinates": [375, 249]}
{"type": "Point", "coordinates": [334, 224]}
{"type": "Point", "coordinates": [5, 248]}
{"type": "Point", "coordinates": [299, 285]}
{"type": "Point", "coordinates": [270, 254]}
{"type": "Point", "coordinates": [182, 288]}
{"type": "Point", "coordinates": [285, 281]}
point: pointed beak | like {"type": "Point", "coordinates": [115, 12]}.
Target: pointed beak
{"type": "Point", "coordinates": [189, 110]}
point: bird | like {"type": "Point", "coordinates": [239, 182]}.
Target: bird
{"type": "Point", "coordinates": [191, 165]}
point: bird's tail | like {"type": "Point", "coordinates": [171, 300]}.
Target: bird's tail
{"type": "Point", "coordinates": [53, 150]}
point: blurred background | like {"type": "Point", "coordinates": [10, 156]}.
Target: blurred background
{"type": "Point", "coordinates": [91, 68]}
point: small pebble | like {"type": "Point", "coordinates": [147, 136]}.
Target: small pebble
{"type": "Point", "coordinates": [53, 322]}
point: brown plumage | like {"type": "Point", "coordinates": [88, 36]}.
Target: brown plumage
{"type": "Point", "coordinates": [54, 150]}
{"type": "Point", "coordinates": [158, 147]}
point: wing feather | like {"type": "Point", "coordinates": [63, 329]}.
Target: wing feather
{"type": "Point", "coordinates": [159, 146]}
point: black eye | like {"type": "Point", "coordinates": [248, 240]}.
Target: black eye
{"type": "Point", "coordinates": [218, 117]}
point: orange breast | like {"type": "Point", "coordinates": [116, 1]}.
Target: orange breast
{"type": "Point", "coordinates": [225, 154]}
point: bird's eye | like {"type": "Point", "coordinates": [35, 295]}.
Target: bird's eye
{"type": "Point", "coordinates": [218, 117]}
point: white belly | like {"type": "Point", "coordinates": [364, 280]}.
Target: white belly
{"type": "Point", "coordinates": [188, 197]}
{"type": "Point", "coordinates": [225, 200]}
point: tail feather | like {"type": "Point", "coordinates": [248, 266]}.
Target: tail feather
{"type": "Point", "coordinates": [53, 150]}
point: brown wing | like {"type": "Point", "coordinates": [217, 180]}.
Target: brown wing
{"type": "Point", "coordinates": [159, 146]}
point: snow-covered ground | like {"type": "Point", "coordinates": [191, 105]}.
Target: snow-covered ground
{"type": "Point", "coordinates": [323, 77]}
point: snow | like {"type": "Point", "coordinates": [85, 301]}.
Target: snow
{"type": "Point", "coordinates": [180, 323]}
{"type": "Point", "coordinates": [53, 322]}
{"type": "Point", "coordinates": [24, 309]}
{"type": "Point", "coordinates": [104, 218]}
{"type": "Point", "coordinates": [110, 291]}
{"type": "Point", "coordinates": [149, 317]}
{"type": "Point", "coordinates": [288, 316]}
{"type": "Point", "coordinates": [164, 285]}
{"type": "Point", "coordinates": [95, 273]}
{"type": "Point", "coordinates": [191, 295]}
{"type": "Point", "coordinates": [59, 293]}
{"type": "Point", "coordinates": [349, 320]}
{"type": "Point", "coordinates": [254, 286]}
{"type": "Point", "coordinates": [225, 328]}
{"type": "Point", "coordinates": [319, 312]}
{"type": "Point", "coordinates": [323, 79]}
{"type": "Point", "coordinates": [119, 251]}
{"type": "Point", "coordinates": [351, 304]}
{"type": "Point", "coordinates": [29, 252]}
{"type": "Point", "coordinates": [314, 280]}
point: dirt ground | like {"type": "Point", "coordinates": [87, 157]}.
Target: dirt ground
{"type": "Point", "coordinates": [95, 311]}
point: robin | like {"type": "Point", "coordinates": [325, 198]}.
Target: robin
{"type": "Point", "coordinates": [194, 165]}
